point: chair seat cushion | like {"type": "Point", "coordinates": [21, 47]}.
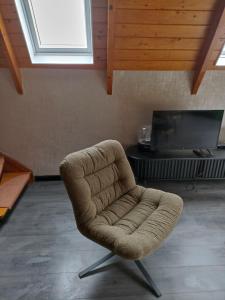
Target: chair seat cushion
{"type": "Point", "coordinates": [135, 225]}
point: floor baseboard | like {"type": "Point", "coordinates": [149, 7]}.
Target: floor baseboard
{"type": "Point", "coordinates": [48, 178]}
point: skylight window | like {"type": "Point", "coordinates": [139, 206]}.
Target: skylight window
{"type": "Point", "coordinates": [221, 60]}
{"type": "Point", "coordinates": [57, 31]}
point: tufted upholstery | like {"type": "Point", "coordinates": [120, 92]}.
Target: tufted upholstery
{"type": "Point", "coordinates": [110, 208]}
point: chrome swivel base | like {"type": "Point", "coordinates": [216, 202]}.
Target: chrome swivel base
{"type": "Point", "coordinates": [92, 270]}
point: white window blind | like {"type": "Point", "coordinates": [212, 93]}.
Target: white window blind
{"type": "Point", "coordinates": [57, 29]}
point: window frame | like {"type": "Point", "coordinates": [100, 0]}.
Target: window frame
{"type": "Point", "coordinates": [221, 59]}
{"type": "Point", "coordinates": [37, 50]}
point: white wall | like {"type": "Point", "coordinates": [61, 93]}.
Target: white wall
{"type": "Point", "coordinates": [65, 110]}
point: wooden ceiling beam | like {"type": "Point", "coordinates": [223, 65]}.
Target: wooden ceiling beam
{"type": "Point", "coordinates": [13, 65]}
{"type": "Point", "coordinates": [209, 47]}
{"type": "Point", "coordinates": [110, 46]}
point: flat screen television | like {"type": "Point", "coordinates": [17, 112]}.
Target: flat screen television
{"type": "Point", "coordinates": [188, 129]}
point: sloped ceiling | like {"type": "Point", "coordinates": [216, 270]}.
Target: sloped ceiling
{"type": "Point", "coordinates": [162, 34]}
{"type": "Point", "coordinates": [140, 35]}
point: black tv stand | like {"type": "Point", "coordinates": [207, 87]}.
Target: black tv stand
{"type": "Point", "coordinates": [176, 165]}
{"type": "Point", "coordinates": [203, 152]}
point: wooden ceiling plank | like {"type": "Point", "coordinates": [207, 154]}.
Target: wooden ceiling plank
{"type": "Point", "coordinates": [13, 65]}
{"type": "Point", "coordinates": [163, 17]}
{"type": "Point", "coordinates": [161, 31]}
{"type": "Point", "coordinates": [209, 49]}
{"type": "Point", "coordinates": [167, 5]}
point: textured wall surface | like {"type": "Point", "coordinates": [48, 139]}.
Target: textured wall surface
{"type": "Point", "coordinates": [66, 110]}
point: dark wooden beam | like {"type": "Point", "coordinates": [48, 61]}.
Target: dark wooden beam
{"type": "Point", "coordinates": [209, 47]}
{"type": "Point", "coordinates": [110, 42]}
{"type": "Point", "coordinates": [13, 65]}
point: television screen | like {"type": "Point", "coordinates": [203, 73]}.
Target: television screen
{"type": "Point", "coordinates": [186, 129]}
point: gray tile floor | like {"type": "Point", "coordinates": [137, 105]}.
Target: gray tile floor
{"type": "Point", "coordinates": [41, 251]}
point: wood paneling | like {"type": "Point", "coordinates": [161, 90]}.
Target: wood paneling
{"type": "Point", "coordinates": [99, 3]}
{"type": "Point", "coordinates": [174, 17]}
{"type": "Point", "coordinates": [159, 55]}
{"type": "Point", "coordinates": [173, 31]}
{"type": "Point", "coordinates": [210, 45]}
{"type": "Point", "coordinates": [9, 11]}
{"type": "Point", "coordinates": [162, 34]}
{"type": "Point", "coordinates": [153, 65]}
{"type": "Point", "coordinates": [158, 43]}
{"type": "Point", "coordinates": [142, 34]}
{"type": "Point", "coordinates": [167, 4]}
{"type": "Point", "coordinates": [163, 43]}
{"type": "Point", "coordinates": [99, 13]}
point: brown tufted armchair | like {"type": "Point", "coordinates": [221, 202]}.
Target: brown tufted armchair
{"type": "Point", "coordinates": [110, 209]}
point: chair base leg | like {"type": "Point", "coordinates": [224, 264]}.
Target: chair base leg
{"type": "Point", "coordinates": [150, 282]}
{"type": "Point", "coordinates": [152, 286]}
{"type": "Point", "coordinates": [87, 271]}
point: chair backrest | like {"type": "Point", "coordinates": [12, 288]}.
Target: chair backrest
{"type": "Point", "coordinates": [96, 177]}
